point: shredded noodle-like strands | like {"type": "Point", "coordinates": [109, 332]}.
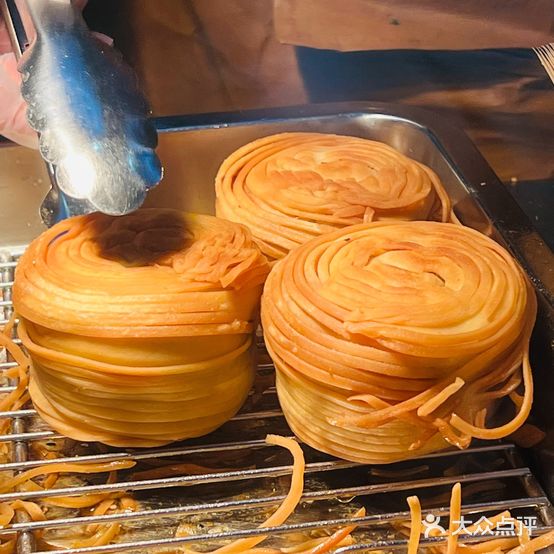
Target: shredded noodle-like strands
{"type": "Point", "coordinates": [99, 535]}
{"type": "Point", "coordinates": [18, 397]}
{"type": "Point", "coordinates": [286, 508]}
{"type": "Point", "coordinates": [534, 545]}
{"type": "Point", "coordinates": [455, 535]}
{"type": "Point", "coordinates": [336, 538]}
{"type": "Point", "coordinates": [104, 534]}
{"type": "Point", "coordinates": [394, 339]}
{"type": "Point", "coordinates": [455, 513]}
{"type": "Point", "coordinates": [128, 318]}
{"type": "Point", "coordinates": [289, 504]}
{"type": "Point", "coordinates": [24, 481]}
{"type": "Point", "coordinates": [291, 187]}
{"type": "Point", "coordinates": [64, 468]}
{"type": "Point", "coordinates": [415, 527]}
{"type": "Point", "coordinates": [8, 547]}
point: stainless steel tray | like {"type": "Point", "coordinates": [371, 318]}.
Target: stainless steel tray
{"type": "Point", "coordinates": [214, 505]}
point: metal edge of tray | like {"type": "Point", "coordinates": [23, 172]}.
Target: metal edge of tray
{"type": "Point", "coordinates": [480, 180]}
{"type": "Point", "coordinates": [483, 186]}
{"type": "Point", "coordinates": [471, 180]}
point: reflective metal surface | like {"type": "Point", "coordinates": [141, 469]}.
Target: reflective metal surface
{"type": "Point", "coordinates": [85, 104]}
{"type": "Point", "coordinates": [242, 478]}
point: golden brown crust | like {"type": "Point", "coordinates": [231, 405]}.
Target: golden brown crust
{"type": "Point", "coordinates": [140, 327]}
{"type": "Point", "coordinates": [291, 187]}
{"type": "Point", "coordinates": [393, 339]}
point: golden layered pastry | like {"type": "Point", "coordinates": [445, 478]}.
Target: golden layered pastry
{"type": "Point", "coordinates": [291, 187]}
{"type": "Point", "coordinates": [392, 340]}
{"type": "Point", "coordinates": [139, 327]}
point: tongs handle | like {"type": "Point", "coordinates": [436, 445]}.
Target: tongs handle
{"type": "Point", "coordinates": [90, 116]}
{"type": "Point", "coordinates": [54, 207]}
{"type": "Point", "coordinates": [15, 27]}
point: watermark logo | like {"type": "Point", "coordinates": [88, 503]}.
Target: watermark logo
{"type": "Point", "coordinates": [432, 524]}
{"type": "Point", "coordinates": [506, 526]}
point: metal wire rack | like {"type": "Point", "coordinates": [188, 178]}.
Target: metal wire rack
{"type": "Point", "coordinates": [237, 479]}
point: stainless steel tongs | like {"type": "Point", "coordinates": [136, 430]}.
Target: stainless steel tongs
{"type": "Point", "coordinates": [85, 104]}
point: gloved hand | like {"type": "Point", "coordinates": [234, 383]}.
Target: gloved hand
{"type": "Point", "coordinates": [13, 110]}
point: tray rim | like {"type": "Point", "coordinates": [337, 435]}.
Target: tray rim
{"type": "Point", "coordinates": [506, 216]}
{"type": "Point", "coordinates": [482, 183]}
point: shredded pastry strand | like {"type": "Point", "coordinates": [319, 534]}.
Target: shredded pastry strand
{"type": "Point", "coordinates": [499, 543]}
{"type": "Point", "coordinates": [98, 504]}
{"type": "Point", "coordinates": [291, 187]}
{"type": "Point", "coordinates": [395, 339]}
{"type": "Point", "coordinates": [139, 327]}
{"type": "Point", "coordinates": [288, 505]}
{"type": "Point", "coordinates": [104, 534]}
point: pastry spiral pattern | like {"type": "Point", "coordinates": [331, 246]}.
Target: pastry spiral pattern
{"type": "Point", "coordinates": [391, 340]}
{"type": "Point", "coordinates": [139, 327]}
{"type": "Point", "coordinates": [291, 187]}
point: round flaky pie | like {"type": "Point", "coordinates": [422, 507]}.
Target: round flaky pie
{"type": "Point", "coordinates": [391, 340]}
{"type": "Point", "coordinates": [139, 327]}
{"type": "Point", "coordinates": [292, 187]}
